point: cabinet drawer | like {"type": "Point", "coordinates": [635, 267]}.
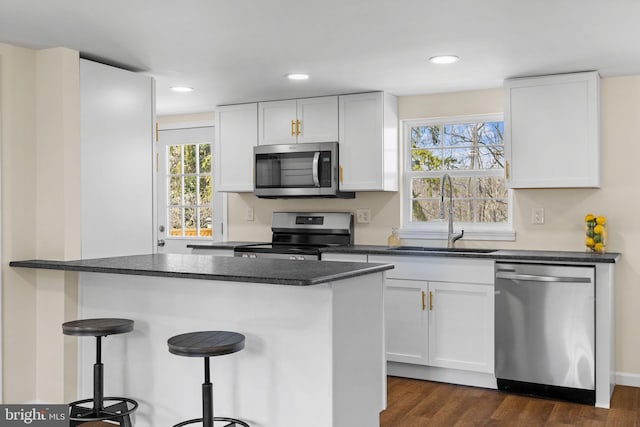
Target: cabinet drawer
{"type": "Point", "coordinates": [442, 269]}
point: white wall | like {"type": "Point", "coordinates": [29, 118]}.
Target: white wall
{"type": "Point", "coordinates": [39, 97]}
{"type": "Point", "coordinates": [57, 218]}
{"type": "Point", "coordinates": [18, 218]}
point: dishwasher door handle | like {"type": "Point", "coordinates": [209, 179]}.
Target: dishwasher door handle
{"type": "Point", "coordinates": [536, 278]}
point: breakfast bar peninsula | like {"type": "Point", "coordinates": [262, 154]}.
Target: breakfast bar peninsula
{"type": "Point", "coordinates": [314, 352]}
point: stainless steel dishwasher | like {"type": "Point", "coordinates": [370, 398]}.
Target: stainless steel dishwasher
{"type": "Point", "coordinates": [545, 330]}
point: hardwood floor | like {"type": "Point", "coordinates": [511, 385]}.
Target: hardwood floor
{"type": "Point", "coordinates": [416, 403]}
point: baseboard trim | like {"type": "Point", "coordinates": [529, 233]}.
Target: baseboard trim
{"type": "Point", "coordinates": [445, 375]}
{"type": "Point", "coordinates": [625, 378]}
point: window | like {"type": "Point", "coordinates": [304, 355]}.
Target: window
{"type": "Point", "coordinates": [189, 190]}
{"type": "Point", "coordinates": [471, 151]}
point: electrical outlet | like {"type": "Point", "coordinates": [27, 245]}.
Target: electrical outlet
{"type": "Point", "coordinates": [537, 216]}
{"type": "Point", "coordinates": [250, 215]}
{"type": "Point", "coordinates": [363, 216]}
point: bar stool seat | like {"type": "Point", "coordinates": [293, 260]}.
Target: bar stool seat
{"type": "Point", "coordinates": [207, 344]}
{"type": "Point", "coordinates": [118, 409]}
{"type": "Point", "coordinates": [97, 327]}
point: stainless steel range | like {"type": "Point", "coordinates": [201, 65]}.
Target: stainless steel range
{"type": "Point", "coordinates": [301, 235]}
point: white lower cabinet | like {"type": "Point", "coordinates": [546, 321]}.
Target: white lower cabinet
{"type": "Point", "coordinates": [439, 312]}
{"type": "Point", "coordinates": [461, 326]}
{"type": "Point", "coordinates": [448, 325]}
{"type": "Point", "coordinates": [406, 321]}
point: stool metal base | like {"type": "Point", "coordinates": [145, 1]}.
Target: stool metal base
{"type": "Point", "coordinates": [231, 422]}
{"type": "Point", "coordinates": [118, 411]}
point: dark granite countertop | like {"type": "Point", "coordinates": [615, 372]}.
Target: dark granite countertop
{"type": "Point", "coordinates": [499, 254]}
{"type": "Point", "coordinates": [271, 271]}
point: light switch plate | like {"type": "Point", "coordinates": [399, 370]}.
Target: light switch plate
{"type": "Point", "coordinates": [250, 214]}
{"type": "Point", "coordinates": [363, 216]}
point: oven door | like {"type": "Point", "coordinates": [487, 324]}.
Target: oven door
{"type": "Point", "coordinates": [296, 170]}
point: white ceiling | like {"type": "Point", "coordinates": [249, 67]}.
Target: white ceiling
{"type": "Point", "coordinates": [235, 51]}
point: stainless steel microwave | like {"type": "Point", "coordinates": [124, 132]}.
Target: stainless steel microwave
{"type": "Point", "coordinates": [297, 170]}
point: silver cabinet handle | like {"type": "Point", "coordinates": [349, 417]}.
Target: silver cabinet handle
{"type": "Point", "coordinates": [536, 278]}
{"type": "Point", "coordinates": [314, 166]}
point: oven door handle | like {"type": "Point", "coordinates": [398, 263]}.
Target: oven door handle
{"type": "Point", "coordinates": [314, 167]}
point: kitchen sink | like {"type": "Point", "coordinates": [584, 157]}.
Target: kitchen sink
{"type": "Point", "coordinates": [432, 249]}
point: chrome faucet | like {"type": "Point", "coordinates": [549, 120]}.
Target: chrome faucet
{"type": "Point", "coordinates": [451, 238]}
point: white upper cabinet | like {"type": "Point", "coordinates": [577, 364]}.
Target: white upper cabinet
{"type": "Point", "coordinates": [368, 142]}
{"type": "Point", "coordinates": [277, 122]}
{"type": "Point", "coordinates": [552, 131]}
{"type": "Point", "coordinates": [298, 121]}
{"type": "Point", "coordinates": [237, 134]}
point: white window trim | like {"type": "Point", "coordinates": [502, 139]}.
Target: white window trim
{"type": "Point", "coordinates": [437, 230]}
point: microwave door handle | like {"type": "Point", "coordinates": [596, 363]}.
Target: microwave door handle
{"type": "Point", "coordinates": [314, 167]}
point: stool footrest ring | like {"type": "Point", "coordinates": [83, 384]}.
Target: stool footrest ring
{"type": "Point", "coordinates": [122, 407]}
{"type": "Point", "coordinates": [231, 422]}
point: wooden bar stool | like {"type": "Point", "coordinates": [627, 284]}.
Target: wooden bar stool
{"type": "Point", "coordinates": [207, 344]}
{"type": "Point", "coordinates": [118, 408]}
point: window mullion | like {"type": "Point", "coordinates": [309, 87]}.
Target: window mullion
{"type": "Point", "coordinates": [182, 184]}
{"type": "Point", "coordinates": [197, 177]}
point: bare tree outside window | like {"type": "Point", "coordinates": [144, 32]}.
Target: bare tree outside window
{"type": "Point", "coordinates": [189, 190]}
{"type": "Point", "coordinates": [472, 153]}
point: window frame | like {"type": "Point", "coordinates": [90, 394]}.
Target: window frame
{"type": "Point", "coordinates": [438, 229]}
{"type": "Point", "coordinates": [198, 206]}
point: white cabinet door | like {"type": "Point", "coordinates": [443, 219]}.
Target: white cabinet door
{"type": "Point", "coordinates": [233, 155]}
{"type": "Point", "coordinates": [406, 321]}
{"type": "Point", "coordinates": [277, 122]}
{"type": "Point", "coordinates": [116, 161]}
{"type": "Point", "coordinates": [461, 325]}
{"type": "Point", "coordinates": [368, 137]}
{"type": "Point", "coordinates": [298, 121]}
{"type": "Point", "coordinates": [551, 128]}
{"type": "Point", "coordinates": [318, 119]}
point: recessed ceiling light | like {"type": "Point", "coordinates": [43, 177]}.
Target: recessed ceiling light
{"type": "Point", "coordinates": [297, 76]}
{"type": "Point", "coordinates": [444, 59]}
{"type": "Point", "coordinates": [181, 89]}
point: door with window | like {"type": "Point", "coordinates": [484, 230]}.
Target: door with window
{"type": "Point", "coordinates": [189, 209]}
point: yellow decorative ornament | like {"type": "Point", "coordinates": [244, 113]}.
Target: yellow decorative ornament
{"type": "Point", "coordinates": [595, 233]}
